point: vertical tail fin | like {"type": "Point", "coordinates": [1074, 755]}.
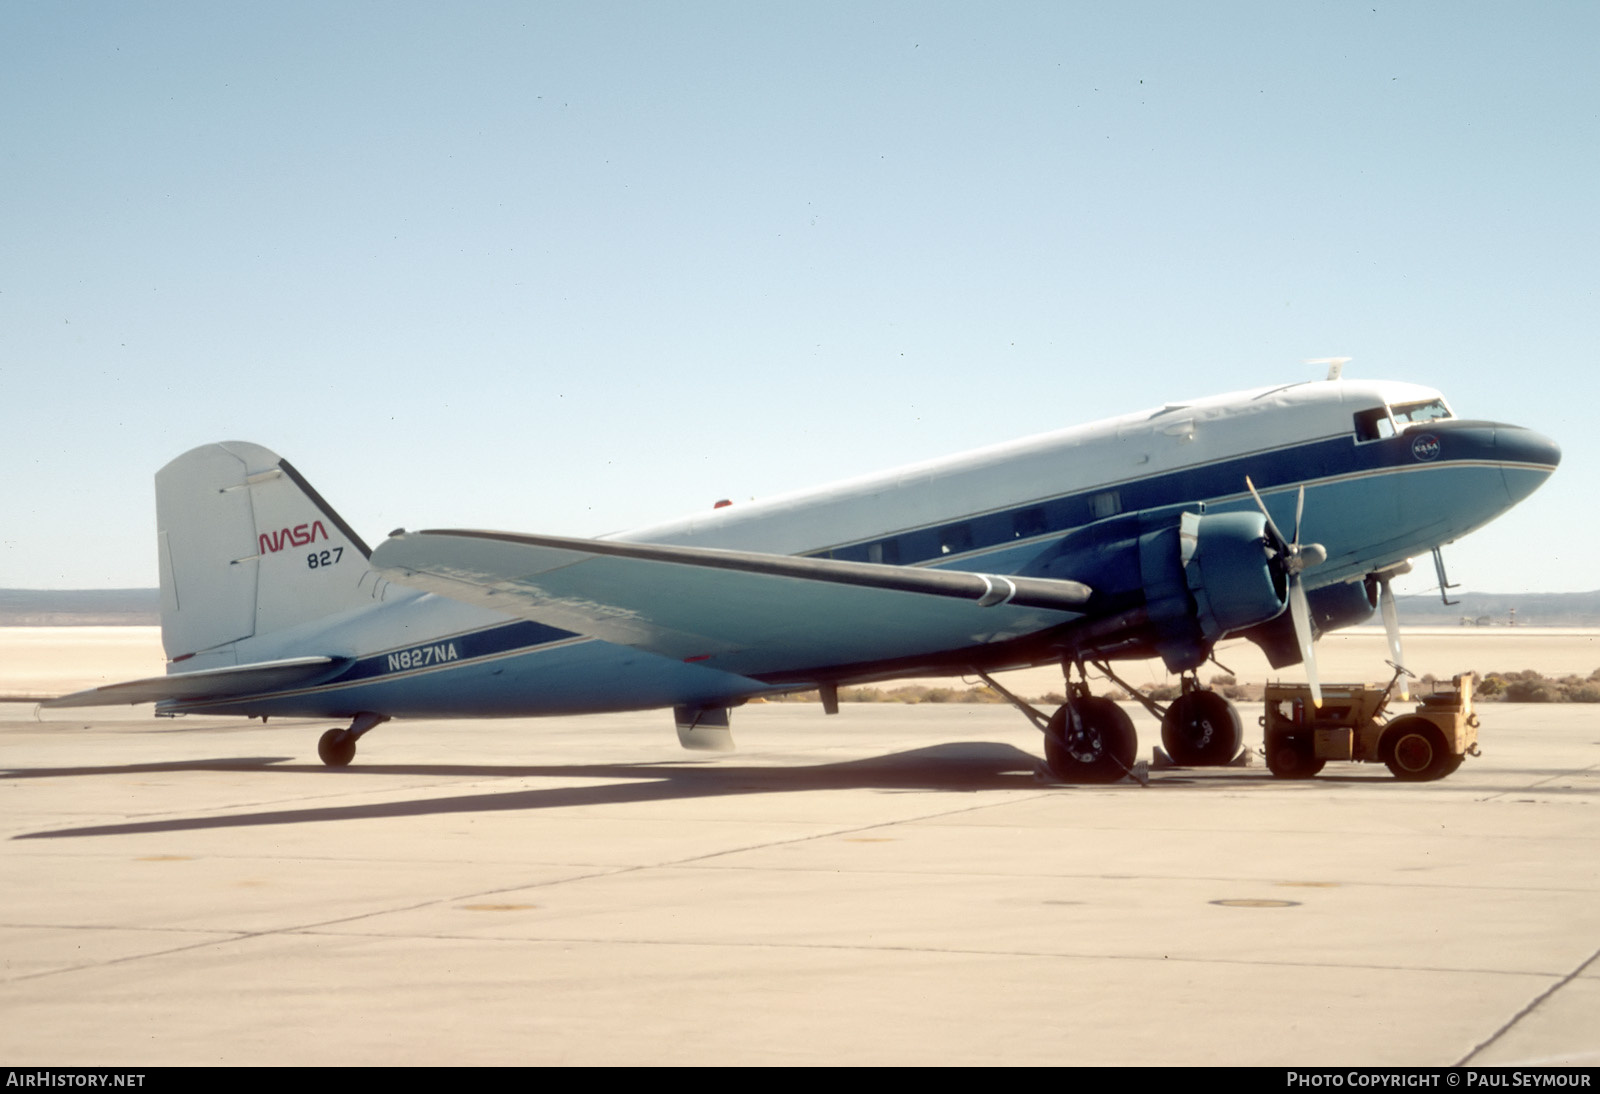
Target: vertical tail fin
{"type": "Point", "coordinates": [248, 547]}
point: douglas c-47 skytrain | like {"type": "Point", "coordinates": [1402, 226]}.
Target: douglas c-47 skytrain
{"type": "Point", "coordinates": [1277, 514]}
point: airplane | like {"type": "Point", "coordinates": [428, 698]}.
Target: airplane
{"type": "Point", "coordinates": [1154, 534]}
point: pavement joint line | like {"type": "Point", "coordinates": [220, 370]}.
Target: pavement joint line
{"type": "Point", "coordinates": [875, 825]}
{"type": "Point", "coordinates": [1532, 787]}
{"type": "Point", "coordinates": [617, 872]}
{"type": "Point", "coordinates": [315, 930]}
{"type": "Point", "coordinates": [239, 936]}
{"type": "Point", "coordinates": [1196, 878]}
{"type": "Point", "coordinates": [1533, 1005]}
{"type": "Point", "coordinates": [125, 959]}
{"type": "Point", "coordinates": [953, 951]}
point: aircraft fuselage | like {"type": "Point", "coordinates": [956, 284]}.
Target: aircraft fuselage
{"type": "Point", "coordinates": [1388, 474]}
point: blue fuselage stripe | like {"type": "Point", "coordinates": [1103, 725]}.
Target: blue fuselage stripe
{"type": "Point", "coordinates": [1331, 457]}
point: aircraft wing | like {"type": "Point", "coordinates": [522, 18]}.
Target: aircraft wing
{"type": "Point", "coordinates": [738, 611]}
{"type": "Point", "coordinates": [204, 684]}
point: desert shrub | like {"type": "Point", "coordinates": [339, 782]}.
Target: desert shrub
{"type": "Point", "coordinates": [1529, 686]}
{"type": "Point", "coordinates": [1532, 691]}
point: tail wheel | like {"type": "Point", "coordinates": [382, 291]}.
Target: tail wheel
{"type": "Point", "coordinates": [1416, 752]}
{"type": "Point", "coordinates": [337, 748]}
{"type": "Point", "coordinates": [1291, 757]}
{"type": "Point", "coordinates": [1090, 740]}
{"type": "Point", "coordinates": [1201, 729]}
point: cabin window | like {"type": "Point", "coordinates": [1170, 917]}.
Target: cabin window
{"type": "Point", "coordinates": [955, 539]}
{"type": "Point", "coordinates": [1108, 504]}
{"type": "Point", "coordinates": [1027, 523]}
{"type": "Point", "coordinates": [886, 551]}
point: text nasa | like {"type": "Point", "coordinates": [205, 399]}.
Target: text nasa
{"type": "Point", "coordinates": [298, 536]}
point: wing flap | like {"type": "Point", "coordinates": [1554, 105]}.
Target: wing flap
{"type": "Point", "coordinates": [741, 612]}
{"type": "Point", "coordinates": [216, 683]}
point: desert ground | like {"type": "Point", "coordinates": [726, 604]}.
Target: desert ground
{"type": "Point", "coordinates": [894, 885]}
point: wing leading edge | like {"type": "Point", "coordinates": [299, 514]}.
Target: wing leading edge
{"type": "Point", "coordinates": [738, 611]}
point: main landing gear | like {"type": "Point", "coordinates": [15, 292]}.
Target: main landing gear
{"type": "Point", "coordinates": [1201, 728]}
{"type": "Point", "coordinates": [1090, 739]}
{"type": "Point", "coordinates": [337, 747]}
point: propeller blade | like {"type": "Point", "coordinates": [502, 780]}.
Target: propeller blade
{"type": "Point", "coordinates": [1300, 613]}
{"type": "Point", "coordinates": [1391, 625]}
{"type": "Point", "coordinates": [1299, 511]}
{"type": "Point", "coordinates": [1271, 527]}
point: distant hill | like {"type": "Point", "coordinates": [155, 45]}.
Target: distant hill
{"type": "Point", "coordinates": [1502, 609]}
{"type": "Point", "coordinates": [142, 607]}
{"type": "Point", "coordinates": [79, 607]}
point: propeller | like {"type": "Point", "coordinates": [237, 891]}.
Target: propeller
{"type": "Point", "coordinates": [1391, 626]}
{"type": "Point", "coordinates": [1295, 557]}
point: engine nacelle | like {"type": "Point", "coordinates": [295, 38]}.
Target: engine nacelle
{"type": "Point", "coordinates": [1197, 577]}
{"type": "Point", "coordinates": [1332, 607]}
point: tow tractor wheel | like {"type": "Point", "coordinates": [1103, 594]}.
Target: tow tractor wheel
{"type": "Point", "coordinates": [337, 748]}
{"type": "Point", "coordinates": [1291, 757]}
{"type": "Point", "coordinates": [1100, 748]}
{"type": "Point", "coordinates": [1201, 729]}
{"type": "Point", "coordinates": [1416, 752]}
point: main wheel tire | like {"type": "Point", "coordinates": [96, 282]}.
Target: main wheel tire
{"type": "Point", "coordinates": [337, 748]}
{"type": "Point", "coordinates": [1201, 729]}
{"type": "Point", "coordinates": [1099, 749]}
{"type": "Point", "coordinates": [1291, 757]}
{"type": "Point", "coordinates": [1416, 752]}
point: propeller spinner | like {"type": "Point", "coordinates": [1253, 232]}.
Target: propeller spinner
{"type": "Point", "coordinates": [1294, 558]}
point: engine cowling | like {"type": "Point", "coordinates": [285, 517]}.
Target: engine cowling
{"type": "Point", "coordinates": [1332, 607]}
{"type": "Point", "coordinates": [1197, 577]}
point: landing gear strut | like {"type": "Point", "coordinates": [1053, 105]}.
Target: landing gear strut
{"type": "Point", "coordinates": [337, 747]}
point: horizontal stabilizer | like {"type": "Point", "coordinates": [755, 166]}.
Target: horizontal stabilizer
{"type": "Point", "coordinates": [205, 684]}
{"type": "Point", "coordinates": [739, 611]}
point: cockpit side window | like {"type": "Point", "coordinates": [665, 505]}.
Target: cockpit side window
{"type": "Point", "coordinates": [1374, 424]}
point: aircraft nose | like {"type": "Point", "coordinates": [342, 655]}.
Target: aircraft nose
{"type": "Point", "coordinates": [1526, 458]}
{"type": "Point", "coordinates": [1519, 445]}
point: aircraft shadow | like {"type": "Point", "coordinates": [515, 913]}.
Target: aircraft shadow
{"type": "Point", "coordinates": [950, 768]}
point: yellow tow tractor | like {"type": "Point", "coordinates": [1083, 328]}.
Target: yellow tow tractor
{"type": "Point", "coordinates": [1352, 724]}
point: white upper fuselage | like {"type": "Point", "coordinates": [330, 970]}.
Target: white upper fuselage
{"type": "Point", "coordinates": [1100, 456]}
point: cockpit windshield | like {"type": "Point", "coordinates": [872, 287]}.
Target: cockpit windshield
{"type": "Point", "coordinates": [1385, 421]}
{"type": "Point", "coordinates": [1412, 413]}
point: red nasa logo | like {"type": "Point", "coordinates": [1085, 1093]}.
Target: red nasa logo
{"type": "Point", "coordinates": [298, 536]}
{"type": "Point", "coordinates": [1425, 447]}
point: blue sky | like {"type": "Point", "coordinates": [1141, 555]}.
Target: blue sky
{"type": "Point", "coordinates": [572, 268]}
